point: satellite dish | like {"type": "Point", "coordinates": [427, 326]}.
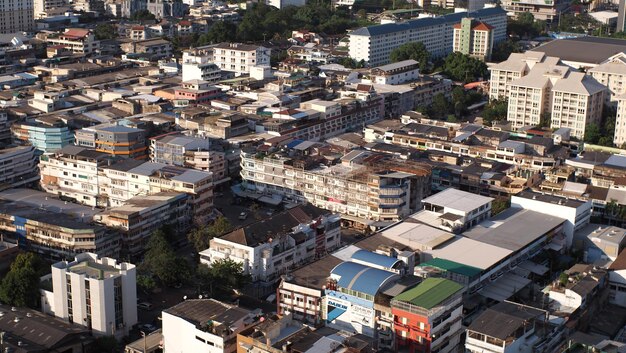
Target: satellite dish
{"type": "Point", "coordinates": [200, 296]}
{"type": "Point", "coordinates": [185, 297]}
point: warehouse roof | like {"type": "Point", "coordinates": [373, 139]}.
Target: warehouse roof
{"type": "Point", "coordinates": [592, 50]}
{"type": "Point", "coordinates": [430, 293]}
{"type": "Point", "coordinates": [452, 266]}
{"type": "Point", "coordinates": [361, 278]}
{"type": "Point", "coordinates": [375, 258]}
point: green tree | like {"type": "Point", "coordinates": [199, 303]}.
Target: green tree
{"type": "Point", "coordinates": [462, 67]}
{"type": "Point", "coordinates": [441, 107]}
{"type": "Point", "coordinates": [20, 287]}
{"type": "Point", "coordinates": [221, 31]}
{"type": "Point", "coordinates": [503, 50]}
{"type": "Point", "coordinates": [227, 275]}
{"type": "Point", "coordinates": [161, 262]}
{"type": "Point", "coordinates": [201, 236]}
{"type": "Point", "coordinates": [500, 204]}
{"type": "Point", "coordinates": [412, 50]}
{"type": "Point", "coordinates": [146, 283]}
{"type": "Point", "coordinates": [592, 133]}
{"type": "Point", "coordinates": [105, 31]}
{"type": "Point", "coordinates": [563, 279]}
{"type": "Point", "coordinates": [496, 110]}
{"type": "Point", "coordinates": [142, 15]}
{"type": "Point", "coordinates": [526, 18]}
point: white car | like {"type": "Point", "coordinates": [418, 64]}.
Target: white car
{"type": "Point", "coordinates": [243, 216]}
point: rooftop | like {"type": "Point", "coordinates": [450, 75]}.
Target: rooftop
{"type": "Point", "coordinates": [262, 231]}
{"type": "Point", "coordinates": [503, 319]}
{"type": "Point", "coordinates": [452, 266]}
{"type": "Point", "coordinates": [375, 258]}
{"type": "Point", "coordinates": [202, 311]}
{"type": "Point", "coordinates": [553, 199]}
{"type": "Point", "coordinates": [463, 250]}
{"type": "Point", "coordinates": [457, 200]}
{"type": "Point", "coordinates": [430, 293]}
{"type": "Point", "coordinates": [361, 278]}
{"type": "Point", "coordinates": [514, 228]}
{"type": "Point", "coordinates": [592, 50]}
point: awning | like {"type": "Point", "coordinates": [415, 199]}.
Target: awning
{"type": "Point", "coordinates": [274, 201]}
{"type": "Point", "coordinates": [335, 313]}
{"type": "Point", "coordinates": [357, 219]}
{"type": "Point", "coordinates": [534, 267]}
{"type": "Point", "coordinates": [504, 287]}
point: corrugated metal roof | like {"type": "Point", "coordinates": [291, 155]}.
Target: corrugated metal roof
{"type": "Point", "coordinates": [361, 278]}
{"type": "Point", "coordinates": [452, 266]}
{"type": "Point", "coordinates": [375, 259]}
{"type": "Point", "coordinates": [430, 293]}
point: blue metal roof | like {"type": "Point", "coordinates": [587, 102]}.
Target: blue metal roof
{"type": "Point", "coordinates": [375, 259]}
{"type": "Point", "coordinates": [361, 278]}
{"type": "Point", "coordinates": [294, 143]}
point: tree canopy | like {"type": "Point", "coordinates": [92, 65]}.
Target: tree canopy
{"type": "Point", "coordinates": [496, 110]}
{"type": "Point", "coordinates": [161, 262]}
{"type": "Point", "coordinates": [464, 68]}
{"type": "Point", "coordinates": [105, 31]}
{"type": "Point", "coordinates": [20, 287]}
{"type": "Point", "coordinates": [201, 236]}
{"type": "Point", "coordinates": [227, 275]}
{"type": "Point", "coordinates": [142, 15]}
{"type": "Point", "coordinates": [412, 50]}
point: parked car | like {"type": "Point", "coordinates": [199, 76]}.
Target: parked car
{"type": "Point", "coordinates": [243, 216]}
{"type": "Point", "coordinates": [145, 306]}
{"type": "Point", "coordinates": [147, 328]}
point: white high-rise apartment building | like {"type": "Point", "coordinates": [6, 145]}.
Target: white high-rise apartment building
{"type": "Point", "coordinates": [98, 293]}
{"type": "Point", "coordinates": [612, 74]}
{"type": "Point", "coordinates": [516, 66]}
{"type": "Point", "coordinates": [569, 99]}
{"type": "Point", "coordinates": [374, 44]}
{"type": "Point", "coordinates": [17, 16]}
{"type": "Point", "coordinates": [619, 138]}
{"type": "Point", "coordinates": [42, 7]}
{"type": "Point", "coordinates": [240, 58]}
{"type": "Point", "coordinates": [198, 65]}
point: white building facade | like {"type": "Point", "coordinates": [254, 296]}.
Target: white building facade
{"type": "Point", "coordinates": [98, 293]}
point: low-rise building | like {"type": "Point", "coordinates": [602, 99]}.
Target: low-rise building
{"type": "Point", "coordinates": [75, 40]}
{"type": "Point", "coordinates": [97, 179]}
{"type": "Point", "coordinates": [141, 216]}
{"type": "Point", "coordinates": [190, 152]}
{"type": "Point", "coordinates": [583, 283]}
{"type": "Point", "coordinates": [155, 48]}
{"type": "Point", "coordinates": [46, 334]}
{"type": "Point", "coordinates": [54, 234]}
{"type": "Point", "coordinates": [197, 65]}
{"type": "Point", "coordinates": [457, 210]}
{"type": "Point", "coordinates": [427, 318]}
{"type": "Point", "coordinates": [18, 166]}
{"type": "Point", "coordinates": [600, 242]}
{"type": "Point", "coordinates": [269, 248]}
{"type": "Point", "coordinates": [349, 187]}
{"type": "Point", "coordinates": [96, 292]}
{"type": "Point", "coordinates": [506, 327]}
{"type": "Point", "coordinates": [45, 134]}
{"type": "Point", "coordinates": [115, 140]}
{"type": "Point", "coordinates": [516, 66]}
{"type": "Point", "coordinates": [548, 10]}
{"type": "Point", "coordinates": [204, 326]}
{"type": "Point", "coordinates": [576, 212]}
{"type": "Point", "coordinates": [196, 91]}
{"type": "Point", "coordinates": [396, 73]}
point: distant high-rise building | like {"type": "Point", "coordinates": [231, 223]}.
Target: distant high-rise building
{"type": "Point", "coordinates": [474, 38]}
{"type": "Point", "coordinates": [621, 16]}
{"type": "Point", "coordinates": [17, 16]}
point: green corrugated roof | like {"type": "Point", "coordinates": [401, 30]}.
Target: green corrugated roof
{"type": "Point", "coordinates": [452, 266]}
{"type": "Point", "coordinates": [430, 292]}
